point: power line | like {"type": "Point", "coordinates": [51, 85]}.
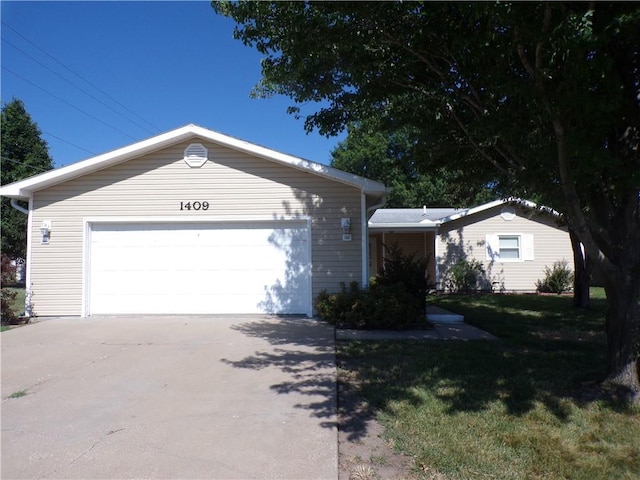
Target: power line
{"type": "Point", "coordinates": [80, 77]}
{"type": "Point", "coordinates": [67, 103]}
{"type": "Point", "coordinates": [75, 85]}
{"type": "Point", "coordinates": [68, 142]}
{"type": "Point", "coordinates": [18, 162]}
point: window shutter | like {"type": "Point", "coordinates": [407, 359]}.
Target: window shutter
{"type": "Point", "coordinates": [492, 244]}
{"type": "Point", "coordinates": [527, 247]}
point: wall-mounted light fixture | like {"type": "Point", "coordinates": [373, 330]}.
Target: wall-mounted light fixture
{"type": "Point", "coordinates": [45, 231]}
{"type": "Point", "coordinates": [345, 223]}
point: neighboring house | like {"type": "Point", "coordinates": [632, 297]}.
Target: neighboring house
{"type": "Point", "coordinates": [514, 240]}
{"type": "Point", "coordinates": [192, 222]}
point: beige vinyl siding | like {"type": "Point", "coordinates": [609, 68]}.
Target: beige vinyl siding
{"type": "Point", "coordinates": [419, 244]}
{"type": "Point", "coordinates": [236, 185]}
{"type": "Point", "coordinates": [550, 244]}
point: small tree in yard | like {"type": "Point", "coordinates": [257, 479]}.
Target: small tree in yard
{"type": "Point", "coordinates": [540, 98]}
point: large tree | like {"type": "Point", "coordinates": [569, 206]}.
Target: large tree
{"type": "Point", "coordinates": [545, 95]}
{"type": "Point", "coordinates": [24, 154]}
{"type": "Point", "coordinates": [390, 157]}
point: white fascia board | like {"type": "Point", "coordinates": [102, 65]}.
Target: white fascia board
{"type": "Point", "coordinates": [369, 187]}
{"type": "Point", "coordinates": [495, 203]}
{"type": "Point", "coordinates": [405, 227]}
{"type": "Point", "coordinates": [23, 189]}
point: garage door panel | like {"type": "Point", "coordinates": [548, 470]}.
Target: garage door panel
{"type": "Point", "coordinates": [200, 268]}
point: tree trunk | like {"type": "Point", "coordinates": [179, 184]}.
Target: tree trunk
{"type": "Point", "coordinates": [623, 320]}
{"type": "Point", "coordinates": [581, 273]}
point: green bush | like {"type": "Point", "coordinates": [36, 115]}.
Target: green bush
{"type": "Point", "coordinates": [406, 270]}
{"type": "Point", "coordinates": [395, 299]}
{"type": "Point", "coordinates": [558, 279]}
{"type": "Point", "coordinates": [7, 297]}
{"type": "Point", "coordinates": [464, 276]}
{"type": "Point", "coordinates": [388, 307]}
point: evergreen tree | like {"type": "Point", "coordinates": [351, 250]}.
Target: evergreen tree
{"type": "Point", "coordinates": [24, 154]}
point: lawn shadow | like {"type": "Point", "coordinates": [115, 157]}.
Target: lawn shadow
{"type": "Point", "coordinates": [304, 351]}
{"type": "Point", "coordinates": [467, 376]}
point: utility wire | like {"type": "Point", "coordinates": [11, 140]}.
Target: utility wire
{"type": "Point", "coordinates": [68, 142]}
{"type": "Point", "coordinates": [67, 103]}
{"type": "Point", "coordinates": [75, 85]}
{"type": "Point", "coordinates": [81, 78]}
{"type": "Point", "coordinates": [18, 162]}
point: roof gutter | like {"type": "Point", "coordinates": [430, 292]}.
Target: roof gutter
{"type": "Point", "coordinates": [14, 204]}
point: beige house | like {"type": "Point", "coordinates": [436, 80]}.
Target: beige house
{"type": "Point", "coordinates": [192, 221]}
{"type": "Point", "coordinates": [514, 240]}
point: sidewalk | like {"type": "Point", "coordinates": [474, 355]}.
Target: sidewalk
{"type": "Point", "coordinates": [447, 330]}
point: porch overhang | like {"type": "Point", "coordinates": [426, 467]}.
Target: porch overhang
{"type": "Point", "coordinates": [403, 227]}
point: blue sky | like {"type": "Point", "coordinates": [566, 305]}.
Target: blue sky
{"type": "Point", "coordinates": [148, 67]}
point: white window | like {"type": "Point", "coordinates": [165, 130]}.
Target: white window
{"type": "Point", "coordinates": [509, 247]}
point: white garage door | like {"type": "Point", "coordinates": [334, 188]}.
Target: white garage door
{"type": "Point", "coordinates": [258, 267]}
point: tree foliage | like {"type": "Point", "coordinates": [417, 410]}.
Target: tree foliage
{"type": "Point", "coordinates": [543, 97]}
{"type": "Point", "coordinates": [24, 154]}
{"type": "Point", "coordinates": [390, 158]}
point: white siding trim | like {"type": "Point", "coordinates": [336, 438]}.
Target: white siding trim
{"type": "Point", "coordinates": [24, 188]}
{"type": "Point", "coordinates": [364, 240]}
{"type": "Point", "coordinates": [310, 273]}
{"type": "Point", "coordinates": [86, 267]}
{"type": "Point", "coordinates": [193, 219]}
{"type": "Point", "coordinates": [436, 258]}
{"type": "Point", "coordinates": [527, 247]}
{"type": "Point", "coordinates": [27, 274]}
{"type": "Point", "coordinates": [492, 247]}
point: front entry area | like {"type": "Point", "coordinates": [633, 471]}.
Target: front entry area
{"type": "Point", "coordinates": [199, 268]}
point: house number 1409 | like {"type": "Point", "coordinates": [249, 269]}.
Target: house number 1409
{"type": "Point", "coordinates": [194, 205]}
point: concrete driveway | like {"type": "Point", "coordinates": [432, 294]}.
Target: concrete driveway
{"type": "Point", "coordinates": [170, 397]}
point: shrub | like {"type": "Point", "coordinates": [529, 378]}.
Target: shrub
{"type": "Point", "coordinates": [557, 279]}
{"type": "Point", "coordinates": [395, 299]}
{"type": "Point", "coordinates": [379, 307]}
{"type": "Point", "coordinates": [7, 297]}
{"type": "Point", "coordinates": [464, 276]}
{"type": "Point", "coordinates": [406, 270]}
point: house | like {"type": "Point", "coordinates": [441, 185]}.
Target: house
{"type": "Point", "coordinates": [513, 239]}
{"type": "Point", "coordinates": [192, 222]}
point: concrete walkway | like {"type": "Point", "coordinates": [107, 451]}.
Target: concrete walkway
{"type": "Point", "coordinates": [169, 397]}
{"type": "Point", "coordinates": [448, 330]}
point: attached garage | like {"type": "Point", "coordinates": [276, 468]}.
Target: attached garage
{"type": "Point", "coordinates": [169, 268]}
{"type": "Point", "coordinates": [192, 222]}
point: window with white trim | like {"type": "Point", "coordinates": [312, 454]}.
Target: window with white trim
{"type": "Point", "coordinates": [509, 247]}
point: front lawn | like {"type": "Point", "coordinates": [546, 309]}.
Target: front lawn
{"type": "Point", "coordinates": [522, 407]}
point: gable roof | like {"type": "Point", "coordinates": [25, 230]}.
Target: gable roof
{"type": "Point", "coordinates": [427, 219]}
{"type": "Point", "coordinates": [24, 189]}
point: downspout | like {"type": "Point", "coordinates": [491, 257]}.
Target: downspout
{"type": "Point", "coordinates": [436, 241]}
{"type": "Point", "coordinates": [365, 235]}
{"type": "Point", "coordinates": [14, 204]}
{"type": "Point", "coordinates": [27, 275]}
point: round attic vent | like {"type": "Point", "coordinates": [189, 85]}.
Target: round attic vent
{"type": "Point", "coordinates": [508, 213]}
{"type": "Point", "coordinates": [195, 155]}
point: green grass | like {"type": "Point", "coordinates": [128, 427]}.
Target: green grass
{"type": "Point", "coordinates": [18, 394]}
{"type": "Point", "coordinates": [523, 407]}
